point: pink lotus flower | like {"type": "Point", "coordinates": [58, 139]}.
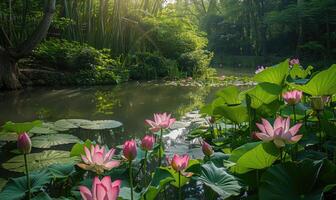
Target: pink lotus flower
{"type": "Point", "coordinates": [130, 150]}
{"type": "Point", "coordinates": [24, 143]}
{"type": "Point", "coordinates": [147, 142]}
{"type": "Point", "coordinates": [280, 133]}
{"type": "Point", "coordinates": [179, 163]}
{"type": "Point", "coordinates": [161, 121]}
{"type": "Point", "coordinates": [101, 190]}
{"type": "Point", "coordinates": [260, 69]}
{"type": "Point", "coordinates": [292, 97]}
{"type": "Point", "coordinates": [98, 160]}
{"type": "Point", "coordinates": [207, 149]}
{"type": "Point", "coordinates": [294, 61]}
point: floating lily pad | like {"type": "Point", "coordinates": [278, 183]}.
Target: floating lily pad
{"type": "Point", "coordinates": [102, 124]}
{"type": "Point", "coordinates": [42, 130]}
{"type": "Point", "coordinates": [47, 141]}
{"type": "Point", "coordinates": [8, 137]}
{"type": "Point", "coordinates": [37, 161]}
{"type": "Point", "coordinates": [179, 124]}
{"type": "Point", "coordinates": [65, 123]}
{"type": "Point", "coordinates": [52, 126]}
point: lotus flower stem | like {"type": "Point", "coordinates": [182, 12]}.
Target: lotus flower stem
{"type": "Point", "coordinates": [180, 191]}
{"type": "Point", "coordinates": [131, 178]}
{"type": "Point", "coordinates": [294, 113]}
{"type": "Point", "coordinates": [160, 146]}
{"type": "Point", "coordinates": [145, 167]}
{"type": "Point", "coordinates": [27, 175]}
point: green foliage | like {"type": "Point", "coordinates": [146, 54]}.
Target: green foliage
{"type": "Point", "coordinates": [219, 180]}
{"type": "Point", "coordinates": [16, 188]}
{"type": "Point", "coordinates": [20, 127]}
{"type": "Point", "coordinates": [195, 63]}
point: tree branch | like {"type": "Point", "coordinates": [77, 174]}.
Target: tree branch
{"type": "Point", "coordinates": [41, 31]}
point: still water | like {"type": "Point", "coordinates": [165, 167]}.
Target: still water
{"type": "Point", "coordinates": [129, 103]}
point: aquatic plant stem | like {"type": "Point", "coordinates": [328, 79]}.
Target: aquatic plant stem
{"type": "Point", "coordinates": [160, 146]}
{"type": "Point", "coordinates": [27, 175]}
{"type": "Point", "coordinates": [179, 182]}
{"type": "Point", "coordinates": [131, 178]}
{"type": "Point", "coordinates": [294, 113]}
{"type": "Point", "coordinates": [145, 167]}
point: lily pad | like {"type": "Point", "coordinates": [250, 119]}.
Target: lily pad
{"type": "Point", "coordinates": [9, 136]}
{"type": "Point", "coordinates": [47, 141]}
{"type": "Point", "coordinates": [101, 124]}
{"type": "Point", "coordinates": [3, 182]}
{"type": "Point", "coordinates": [42, 130]}
{"type": "Point", "coordinates": [65, 123]}
{"type": "Point", "coordinates": [21, 127]}
{"type": "Point", "coordinates": [38, 161]}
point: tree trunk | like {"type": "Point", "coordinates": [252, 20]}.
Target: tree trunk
{"type": "Point", "coordinates": [9, 73]}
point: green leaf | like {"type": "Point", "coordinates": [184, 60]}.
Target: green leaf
{"type": "Point", "coordinates": [125, 193]}
{"type": "Point", "coordinates": [322, 84]}
{"type": "Point", "coordinates": [61, 171]}
{"type": "Point", "coordinates": [16, 188]}
{"type": "Point", "coordinates": [78, 148]}
{"type": "Point", "coordinates": [9, 137]}
{"type": "Point", "coordinates": [254, 156]}
{"type": "Point", "coordinates": [236, 114]}
{"type": "Point", "coordinates": [299, 72]}
{"type": "Point", "coordinates": [47, 141]}
{"type": "Point", "coordinates": [101, 124]}
{"type": "Point", "coordinates": [42, 196]}
{"type": "Point", "coordinates": [3, 182]}
{"type": "Point", "coordinates": [20, 127]}
{"type": "Point", "coordinates": [38, 161]}
{"type": "Point", "coordinates": [42, 130]}
{"type": "Point", "coordinates": [275, 74]}
{"type": "Point", "coordinates": [264, 93]}
{"type": "Point", "coordinates": [160, 178]}
{"type": "Point", "coordinates": [230, 95]}
{"type": "Point", "coordinates": [291, 181]}
{"type": "Point", "coordinates": [219, 180]}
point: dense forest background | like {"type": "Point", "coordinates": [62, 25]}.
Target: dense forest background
{"type": "Point", "coordinates": [164, 38]}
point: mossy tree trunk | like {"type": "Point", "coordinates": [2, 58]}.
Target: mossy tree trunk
{"type": "Point", "coordinates": [9, 55]}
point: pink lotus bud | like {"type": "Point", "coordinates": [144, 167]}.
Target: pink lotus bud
{"type": "Point", "coordinates": [207, 149]}
{"type": "Point", "coordinates": [180, 163]}
{"type": "Point", "coordinates": [292, 97]}
{"type": "Point", "coordinates": [294, 61]}
{"type": "Point", "coordinates": [147, 142]}
{"type": "Point", "coordinates": [130, 150]}
{"type": "Point", "coordinates": [24, 143]}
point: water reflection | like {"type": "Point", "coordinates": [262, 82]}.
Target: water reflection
{"type": "Point", "coordinates": [130, 103]}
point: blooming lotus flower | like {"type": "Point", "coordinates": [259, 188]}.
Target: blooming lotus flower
{"type": "Point", "coordinates": [130, 150]}
{"type": "Point", "coordinates": [98, 160]}
{"type": "Point", "coordinates": [292, 97]}
{"type": "Point", "coordinates": [101, 190]}
{"type": "Point", "coordinates": [260, 69]}
{"type": "Point", "coordinates": [294, 61]}
{"type": "Point", "coordinates": [207, 149]}
{"type": "Point", "coordinates": [147, 142]}
{"type": "Point", "coordinates": [179, 163]}
{"type": "Point", "coordinates": [161, 121]}
{"type": "Point", "coordinates": [280, 133]}
{"type": "Point", "coordinates": [24, 143]}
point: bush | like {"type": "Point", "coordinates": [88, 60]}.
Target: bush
{"type": "Point", "coordinates": [195, 63]}
{"type": "Point", "coordinates": [146, 65]}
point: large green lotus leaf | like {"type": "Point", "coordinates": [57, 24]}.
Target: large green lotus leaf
{"type": "Point", "coordinates": [291, 181]}
{"type": "Point", "coordinates": [236, 114]}
{"type": "Point", "coordinates": [208, 109]}
{"type": "Point", "coordinates": [230, 95]}
{"type": "Point", "coordinates": [323, 83]}
{"type": "Point", "coordinates": [47, 141]}
{"type": "Point", "coordinates": [20, 127]}
{"type": "Point", "coordinates": [61, 171]}
{"type": "Point", "coordinates": [43, 196]}
{"type": "Point", "coordinates": [101, 124]}
{"type": "Point", "coordinates": [160, 178]}
{"type": "Point", "coordinates": [254, 156]}
{"type": "Point", "coordinates": [65, 123]}
{"type": "Point", "coordinates": [275, 74]}
{"type": "Point", "coordinates": [16, 188]}
{"type": "Point", "coordinates": [38, 161]}
{"type": "Point", "coordinates": [125, 193]}
{"type": "Point", "coordinates": [264, 93]}
{"type": "Point", "coordinates": [42, 130]}
{"type": "Point", "coordinates": [52, 126]}
{"type": "Point", "coordinates": [219, 180]}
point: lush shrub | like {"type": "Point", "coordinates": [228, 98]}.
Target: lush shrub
{"type": "Point", "coordinates": [146, 65]}
{"type": "Point", "coordinates": [195, 63]}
